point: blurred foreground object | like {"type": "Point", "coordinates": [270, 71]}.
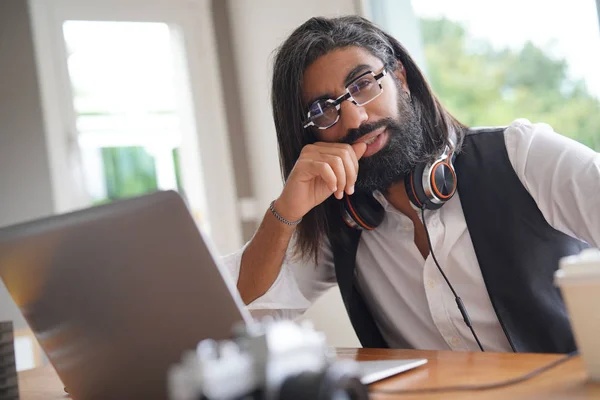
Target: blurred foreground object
{"type": "Point", "coordinates": [9, 384]}
{"type": "Point", "coordinates": [267, 360]}
{"type": "Point", "coordinates": [579, 280]}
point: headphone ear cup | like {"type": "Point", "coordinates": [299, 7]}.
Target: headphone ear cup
{"type": "Point", "coordinates": [443, 180]}
{"type": "Point", "coordinates": [442, 184]}
{"type": "Point", "coordinates": [414, 186]}
{"type": "Point", "coordinates": [362, 211]}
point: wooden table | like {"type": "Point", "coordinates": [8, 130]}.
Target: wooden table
{"type": "Point", "coordinates": [445, 368]}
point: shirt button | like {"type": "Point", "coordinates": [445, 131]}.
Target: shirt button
{"type": "Point", "coordinates": [431, 283]}
{"type": "Point", "coordinates": [454, 341]}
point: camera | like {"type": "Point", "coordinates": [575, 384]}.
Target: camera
{"type": "Point", "coordinates": [271, 360]}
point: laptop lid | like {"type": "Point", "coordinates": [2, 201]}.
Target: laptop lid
{"type": "Point", "coordinates": [116, 293]}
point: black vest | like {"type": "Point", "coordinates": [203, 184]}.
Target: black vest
{"type": "Point", "coordinates": [517, 251]}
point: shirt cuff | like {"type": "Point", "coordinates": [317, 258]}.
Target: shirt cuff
{"type": "Point", "coordinates": [283, 299]}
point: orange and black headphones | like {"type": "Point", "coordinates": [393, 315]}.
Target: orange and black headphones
{"type": "Point", "coordinates": [428, 186]}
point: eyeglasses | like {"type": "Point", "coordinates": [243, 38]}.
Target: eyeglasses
{"type": "Point", "coordinates": [325, 113]}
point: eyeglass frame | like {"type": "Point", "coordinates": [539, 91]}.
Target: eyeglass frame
{"type": "Point", "coordinates": [348, 96]}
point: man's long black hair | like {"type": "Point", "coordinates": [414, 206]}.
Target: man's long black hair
{"type": "Point", "coordinates": [313, 39]}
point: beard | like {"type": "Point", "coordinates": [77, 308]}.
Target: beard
{"type": "Point", "coordinates": [405, 148]}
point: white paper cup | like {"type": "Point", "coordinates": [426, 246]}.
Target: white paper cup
{"type": "Point", "coordinates": [579, 280]}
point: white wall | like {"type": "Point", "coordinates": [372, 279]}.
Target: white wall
{"type": "Point", "coordinates": [257, 28]}
{"type": "Point", "coordinates": [25, 190]}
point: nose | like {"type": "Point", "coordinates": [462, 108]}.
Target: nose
{"type": "Point", "coordinates": [352, 116]}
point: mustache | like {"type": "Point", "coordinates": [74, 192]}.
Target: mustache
{"type": "Point", "coordinates": [354, 134]}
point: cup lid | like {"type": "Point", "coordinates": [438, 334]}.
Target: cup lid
{"type": "Point", "coordinates": [587, 257]}
{"type": "Point", "coordinates": [584, 265]}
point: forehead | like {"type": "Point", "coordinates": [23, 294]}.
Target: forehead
{"type": "Point", "coordinates": [328, 73]}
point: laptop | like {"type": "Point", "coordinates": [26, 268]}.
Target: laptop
{"type": "Point", "coordinates": [115, 294]}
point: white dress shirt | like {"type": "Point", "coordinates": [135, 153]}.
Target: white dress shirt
{"type": "Point", "coordinates": [406, 294]}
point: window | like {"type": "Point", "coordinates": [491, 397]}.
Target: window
{"type": "Point", "coordinates": [123, 86]}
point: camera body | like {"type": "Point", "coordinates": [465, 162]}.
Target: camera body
{"type": "Point", "coordinates": [269, 360]}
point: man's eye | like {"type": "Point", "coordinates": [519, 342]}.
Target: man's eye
{"type": "Point", "coordinates": [361, 84]}
{"type": "Point", "coordinates": [316, 109]}
{"type": "Point", "coordinates": [320, 107]}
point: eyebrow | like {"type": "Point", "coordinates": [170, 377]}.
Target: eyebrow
{"type": "Point", "coordinates": [355, 71]}
{"type": "Point", "coordinates": [349, 77]}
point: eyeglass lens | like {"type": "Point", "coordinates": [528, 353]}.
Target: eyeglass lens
{"type": "Point", "coordinates": [324, 113]}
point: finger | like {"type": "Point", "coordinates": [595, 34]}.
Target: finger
{"type": "Point", "coordinates": [332, 147]}
{"type": "Point", "coordinates": [329, 146]}
{"type": "Point", "coordinates": [359, 149]}
{"type": "Point", "coordinates": [309, 150]}
{"type": "Point", "coordinates": [323, 169]}
{"type": "Point", "coordinates": [338, 167]}
{"type": "Point", "coordinates": [350, 163]}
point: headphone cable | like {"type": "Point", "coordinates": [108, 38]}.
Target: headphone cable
{"type": "Point", "coordinates": [459, 302]}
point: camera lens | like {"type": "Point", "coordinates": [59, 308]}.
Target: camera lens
{"type": "Point", "coordinates": [338, 382]}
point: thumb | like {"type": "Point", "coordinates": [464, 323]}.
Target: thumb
{"type": "Point", "coordinates": [359, 149]}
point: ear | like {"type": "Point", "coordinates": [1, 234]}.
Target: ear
{"type": "Point", "coordinates": [400, 73]}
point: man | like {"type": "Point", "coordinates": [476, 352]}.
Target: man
{"type": "Point", "coordinates": [358, 130]}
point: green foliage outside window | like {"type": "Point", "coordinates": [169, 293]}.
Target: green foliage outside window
{"type": "Point", "coordinates": [483, 86]}
{"type": "Point", "coordinates": [129, 171]}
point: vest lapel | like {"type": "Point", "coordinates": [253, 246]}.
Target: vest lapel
{"type": "Point", "coordinates": [344, 246]}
